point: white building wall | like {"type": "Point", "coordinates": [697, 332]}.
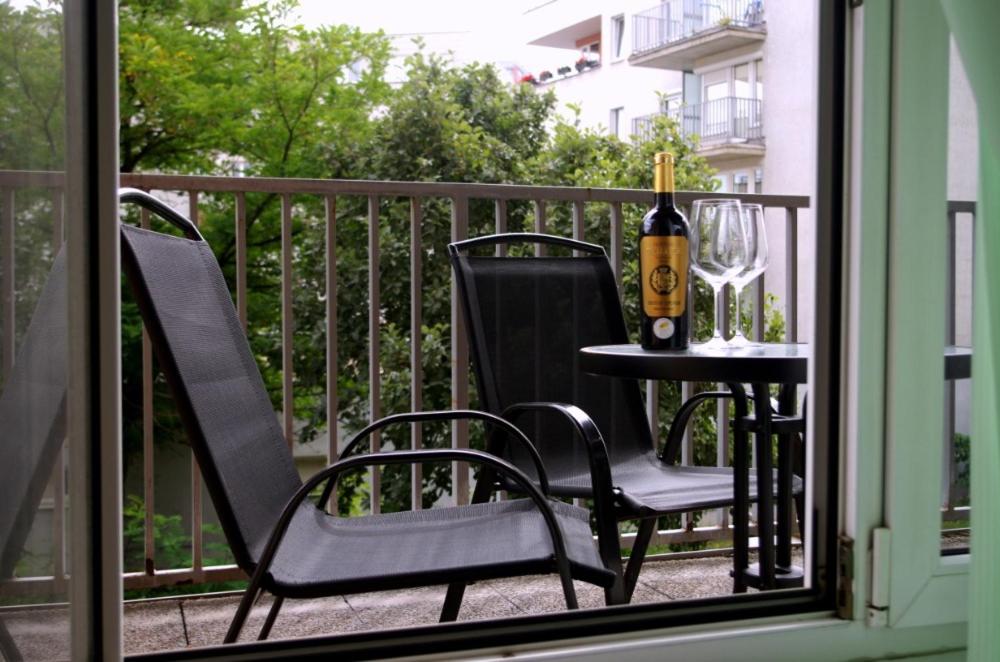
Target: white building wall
{"type": "Point", "coordinates": [615, 84]}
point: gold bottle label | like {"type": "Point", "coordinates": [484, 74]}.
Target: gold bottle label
{"type": "Point", "coordinates": [664, 264]}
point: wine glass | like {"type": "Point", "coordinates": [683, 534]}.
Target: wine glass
{"type": "Point", "coordinates": [756, 263]}
{"type": "Point", "coordinates": [718, 249]}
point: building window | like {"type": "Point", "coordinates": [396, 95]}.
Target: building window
{"type": "Point", "coordinates": [614, 122]}
{"type": "Point", "coordinates": [671, 102]}
{"type": "Point", "coordinates": [617, 35]}
{"type": "Point", "coordinates": [758, 180]}
{"type": "Point", "coordinates": [741, 182]}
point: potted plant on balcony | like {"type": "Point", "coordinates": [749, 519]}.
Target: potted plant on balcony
{"type": "Point", "coordinates": [562, 71]}
{"type": "Point", "coordinates": [545, 75]}
{"type": "Point", "coordinates": [581, 64]}
{"type": "Point", "coordinates": [527, 78]}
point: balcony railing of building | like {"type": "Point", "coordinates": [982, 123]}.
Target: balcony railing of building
{"type": "Point", "coordinates": [542, 202]}
{"type": "Point", "coordinates": [729, 119]}
{"type": "Point", "coordinates": [673, 21]}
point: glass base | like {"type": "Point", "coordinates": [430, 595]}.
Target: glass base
{"type": "Point", "coordinates": [717, 342]}
{"type": "Point", "coordinates": [740, 340]}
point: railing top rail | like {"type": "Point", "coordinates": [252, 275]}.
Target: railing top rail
{"type": "Point", "coordinates": [282, 185]}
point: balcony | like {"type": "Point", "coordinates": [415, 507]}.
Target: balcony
{"type": "Point", "coordinates": [593, 214]}
{"type": "Point", "coordinates": [678, 35]}
{"type": "Point", "coordinates": [729, 127]}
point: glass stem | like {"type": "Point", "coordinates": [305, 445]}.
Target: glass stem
{"type": "Point", "coordinates": [719, 312]}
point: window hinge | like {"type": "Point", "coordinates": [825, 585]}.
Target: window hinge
{"type": "Point", "coordinates": [845, 577]}
{"type": "Point", "coordinates": [878, 603]}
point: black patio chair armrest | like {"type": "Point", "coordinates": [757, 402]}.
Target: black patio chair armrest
{"type": "Point", "coordinates": [586, 432]}
{"type": "Point", "coordinates": [672, 449]}
{"type": "Point", "coordinates": [161, 209]}
{"type": "Point", "coordinates": [330, 473]}
{"type": "Point", "coordinates": [459, 414]}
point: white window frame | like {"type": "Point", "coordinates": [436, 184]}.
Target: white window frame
{"type": "Point", "coordinates": [617, 37]}
{"type": "Point", "coordinates": [615, 116]}
{"type": "Point", "coordinates": [896, 413]}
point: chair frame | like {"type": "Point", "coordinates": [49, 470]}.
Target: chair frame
{"type": "Point", "coordinates": [611, 505]}
{"type": "Point", "coordinates": [260, 580]}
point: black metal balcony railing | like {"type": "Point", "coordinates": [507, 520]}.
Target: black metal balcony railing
{"type": "Point", "coordinates": [672, 21]}
{"type": "Point", "coordinates": [714, 526]}
{"type": "Point", "coordinates": [729, 119]}
{"type": "Point", "coordinates": [543, 199]}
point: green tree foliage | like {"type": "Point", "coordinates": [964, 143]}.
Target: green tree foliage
{"type": "Point", "coordinates": [229, 87]}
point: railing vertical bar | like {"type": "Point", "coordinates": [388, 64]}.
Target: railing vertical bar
{"type": "Point", "coordinates": [332, 365]}
{"type": "Point", "coordinates": [416, 347]}
{"type": "Point", "coordinates": [500, 217]}
{"type": "Point", "coordinates": [578, 223]}
{"type": "Point", "coordinates": [500, 250]}
{"type": "Point", "coordinates": [287, 322]}
{"type": "Point", "coordinates": [759, 321]}
{"type": "Point", "coordinates": [951, 473]}
{"type": "Point", "coordinates": [148, 482]}
{"type": "Point", "coordinates": [722, 447]}
{"type": "Point", "coordinates": [687, 442]}
{"type": "Point", "coordinates": [460, 358]}
{"type": "Point", "coordinates": [196, 507]}
{"type": "Point", "coordinates": [7, 276]}
{"type": "Point", "coordinates": [653, 409]}
{"type": "Point", "coordinates": [540, 249]}
{"type": "Point", "coordinates": [374, 347]}
{"type": "Point", "coordinates": [241, 258]}
{"type": "Point", "coordinates": [57, 218]}
{"type": "Point", "coordinates": [791, 275]}
{"type": "Point", "coordinates": [722, 406]}
{"type": "Point", "coordinates": [617, 232]}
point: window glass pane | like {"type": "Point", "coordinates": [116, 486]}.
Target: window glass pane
{"type": "Point", "coordinates": [741, 81]}
{"type": "Point", "coordinates": [741, 183]}
{"type": "Point", "coordinates": [618, 35]}
{"type": "Point", "coordinates": [963, 178]}
{"type": "Point", "coordinates": [759, 71]}
{"type": "Point", "coordinates": [34, 468]}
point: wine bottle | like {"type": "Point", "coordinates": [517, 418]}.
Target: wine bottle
{"type": "Point", "coordinates": [663, 266]}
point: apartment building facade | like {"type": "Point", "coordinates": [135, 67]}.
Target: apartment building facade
{"type": "Point", "coordinates": [740, 77]}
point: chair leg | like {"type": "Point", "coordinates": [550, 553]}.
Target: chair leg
{"type": "Point", "coordinates": [272, 615]}
{"type": "Point", "coordinates": [800, 517]}
{"type": "Point", "coordinates": [7, 647]}
{"type": "Point", "coordinates": [242, 611]}
{"type": "Point", "coordinates": [638, 555]}
{"type": "Point", "coordinates": [452, 602]}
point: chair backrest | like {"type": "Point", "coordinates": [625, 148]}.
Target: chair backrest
{"type": "Point", "coordinates": [33, 416]}
{"type": "Point", "coordinates": [216, 384]}
{"type": "Point", "coordinates": [527, 317]}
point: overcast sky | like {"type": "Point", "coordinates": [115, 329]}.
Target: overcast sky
{"type": "Point", "coordinates": [486, 31]}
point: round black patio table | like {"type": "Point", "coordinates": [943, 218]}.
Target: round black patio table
{"type": "Point", "coordinates": [760, 366]}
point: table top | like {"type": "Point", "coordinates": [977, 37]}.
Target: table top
{"type": "Point", "coordinates": [772, 363]}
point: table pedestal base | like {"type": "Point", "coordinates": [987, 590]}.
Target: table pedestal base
{"type": "Point", "coordinates": [791, 577]}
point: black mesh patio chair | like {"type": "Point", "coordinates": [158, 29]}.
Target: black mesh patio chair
{"type": "Point", "coordinates": [286, 542]}
{"type": "Point", "coordinates": [32, 424]}
{"type": "Point", "coordinates": [526, 319]}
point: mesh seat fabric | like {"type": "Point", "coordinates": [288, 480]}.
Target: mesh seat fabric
{"type": "Point", "coordinates": [322, 554]}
